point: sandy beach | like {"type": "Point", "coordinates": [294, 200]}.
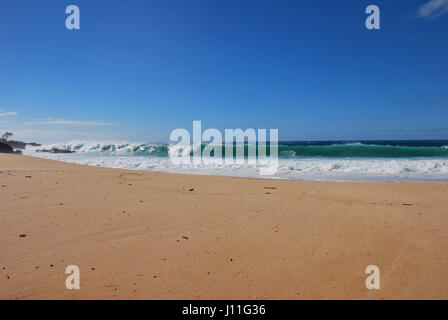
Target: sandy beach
{"type": "Point", "coordinates": [146, 235]}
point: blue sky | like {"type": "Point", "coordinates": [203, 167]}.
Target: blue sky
{"type": "Point", "coordinates": [138, 69]}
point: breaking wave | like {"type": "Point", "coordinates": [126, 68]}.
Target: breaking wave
{"type": "Point", "coordinates": [330, 149]}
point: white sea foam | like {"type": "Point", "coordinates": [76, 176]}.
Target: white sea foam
{"type": "Point", "coordinates": [336, 169]}
{"type": "Point", "coordinates": [86, 147]}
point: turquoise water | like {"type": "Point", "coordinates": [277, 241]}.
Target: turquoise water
{"type": "Point", "coordinates": [292, 149]}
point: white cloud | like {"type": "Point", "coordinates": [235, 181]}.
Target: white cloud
{"type": "Point", "coordinates": [51, 121]}
{"type": "Point", "coordinates": [433, 9]}
{"type": "Point", "coordinates": [50, 136]}
{"type": "Point", "coordinates": [7, 114]}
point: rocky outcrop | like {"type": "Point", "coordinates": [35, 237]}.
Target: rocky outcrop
{"type": "Point", "coordinates": [5, 148]}
{"type": "Point", "coordinates": [22, 145]}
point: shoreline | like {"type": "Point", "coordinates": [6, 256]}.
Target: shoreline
{"type": "Point", "coordinates": [235, 177]}
{"type": "Point", "coordinates": [357, 176]}
{"type": "Point", "coordinates": [155, 235]}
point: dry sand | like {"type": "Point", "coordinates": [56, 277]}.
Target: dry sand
{"type": "Point", "coordinates": [144, 235]}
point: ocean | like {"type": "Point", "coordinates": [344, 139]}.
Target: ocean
{"type": "Point", "coordinates": [381, 160]}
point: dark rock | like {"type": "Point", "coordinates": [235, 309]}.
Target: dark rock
{"type": "Point", "coordinates": [21, 145]}
{"type": "Point", "coordinates": [22, 235]}
{"type": "Point", "coordinates": [192, 189]}
{"type": "Point", "coordinates": [5, 148]}
{"type": "Point", "coordinates": [185, 237]}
